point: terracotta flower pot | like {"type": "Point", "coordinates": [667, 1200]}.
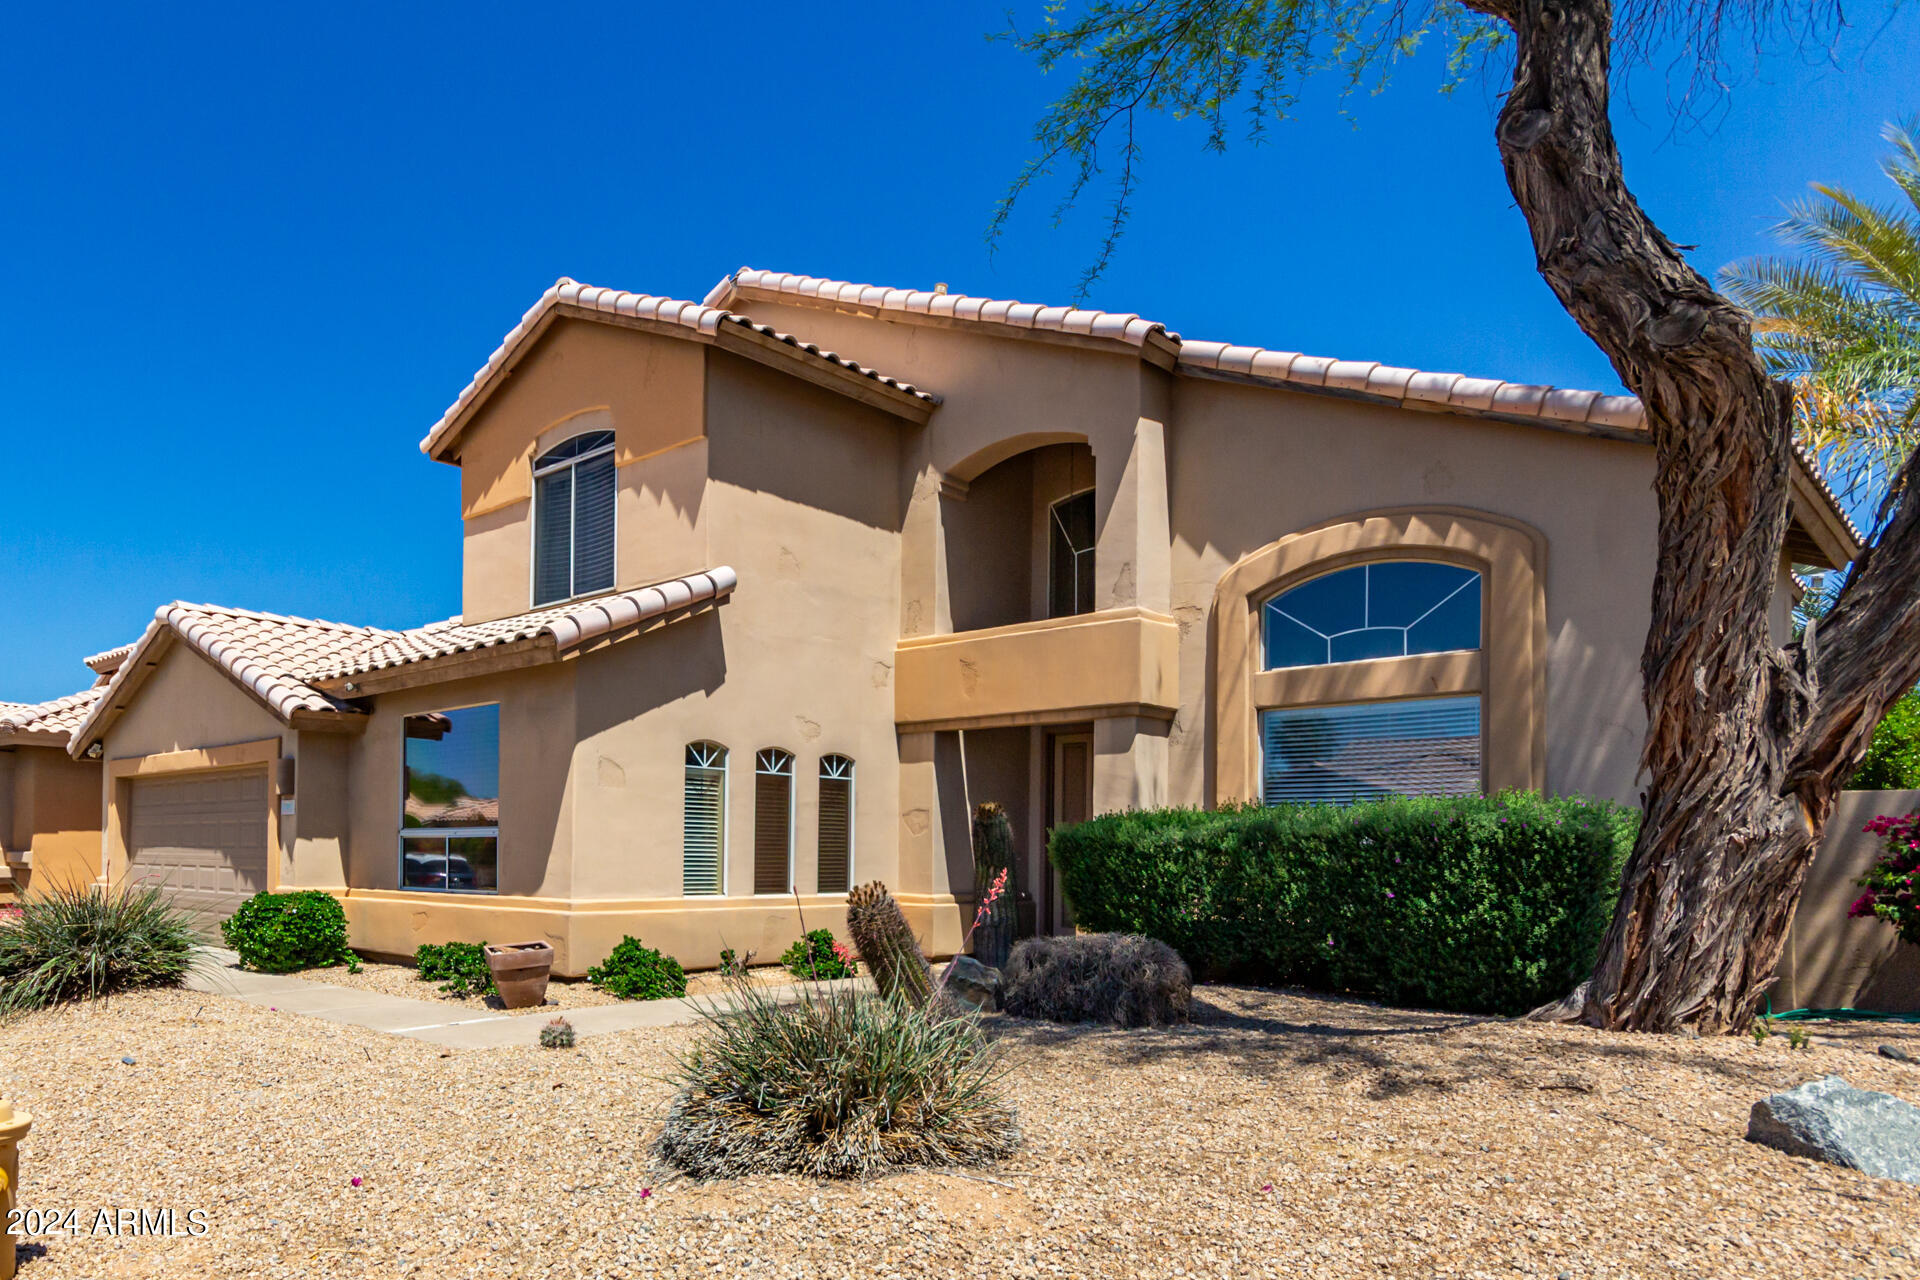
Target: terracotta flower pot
{"type": "Point", "coordinates": [520, 972]}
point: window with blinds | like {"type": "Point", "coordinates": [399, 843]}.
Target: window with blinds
{"type": "Point", "coordinates": [773, 821]}
{"type": "Point", "coordinates": [1339, 755]}
{"type": "Point", "coordinates": [704, 833]}
{"type": "Point", "coordinates": [573, 499]}
{"type": "Point", "coordinates": [836, 824]}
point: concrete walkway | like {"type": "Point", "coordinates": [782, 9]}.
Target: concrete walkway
{"type": "Point", "coordinates": [435, 1021]}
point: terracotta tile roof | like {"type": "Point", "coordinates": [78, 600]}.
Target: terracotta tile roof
{"type": "Point", "coordinates": [51, 722]}
{"type": "Point", "coordinates": [707, 322]}
{"type": "Point", "coordinates": [283, 661]}
{"type": "Point", "coordinates": [569, 625]}
{"type": "Point", "coordinates": [1618, 415]}
{"type": "Point", "coordinates": [1120, 326]}
{"type": "Point", "coordinates": [108, 662]}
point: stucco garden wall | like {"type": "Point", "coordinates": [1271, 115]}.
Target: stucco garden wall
{"type": "Point", "coordinates": [54, 816]}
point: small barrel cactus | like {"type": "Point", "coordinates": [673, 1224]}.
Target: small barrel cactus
{"type": "Point", "coordinates": [888, 945]}
{"type": "Point", "coordinates": [557, 1034]}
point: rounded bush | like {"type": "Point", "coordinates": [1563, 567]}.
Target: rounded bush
{"type": "Point", "coordinates": [1118, 978]}
{"type": "Point", "coordinates": [460, 968]}
{"type": "Point", "coordinates": [840, 1084]}
{"type": "Point", "coordinates": [818, 958]}
{"type": "Point", "coordinates": [284, 932]}
{"type": "Point", "coordinates": [634, 972]}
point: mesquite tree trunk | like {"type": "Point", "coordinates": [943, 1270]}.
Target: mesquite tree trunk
{"type": "Point", "coordinates": [1747, 742]}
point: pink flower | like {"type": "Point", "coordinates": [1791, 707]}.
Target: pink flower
{"type": "Point", "coordinates": [1862, 906]}
{"type": "Point", "coordinates": [994, 891]}
{"type": "Point", "coordinates": [646, 1193]}
{"type": "Point", "coordinates": [354, 1181]}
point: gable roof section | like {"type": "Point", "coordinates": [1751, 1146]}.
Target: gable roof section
{"type": "Point", "coordinates": [48, 723]}
{"type": "Point", "coordinates": [690, 320]}
{"type": "Point", "coordinates": [1822, 531]}
{"type": "Point", "coordinates": [308, 672]}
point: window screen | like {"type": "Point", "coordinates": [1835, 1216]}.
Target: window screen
{"type": "Point", "coordinates": [1338, 755]}
{"type": "Point", "coordinates": [573, 500]}
{"type": "Point", "coordinates": [773, 821]}
{"type": "Point", "coordinates": [836, 824]}
{"type": "Point", "coordinates": [703, 831]}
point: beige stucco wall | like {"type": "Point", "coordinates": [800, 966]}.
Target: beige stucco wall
{"type": "Point", "coordinates": [1250, 465]}
{"type": "Point", "coordinates": [647, 389]}
{"type": "Point", "coordinates": [52, 813]}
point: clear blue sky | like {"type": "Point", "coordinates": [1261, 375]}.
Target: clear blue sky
{"type": "Point", "coordinates": [251, 253]}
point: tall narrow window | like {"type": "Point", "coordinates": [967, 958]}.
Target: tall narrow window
{"type": "Point", "coordinates": [836, 824]}
{"type": "Point", "coordinates": [573, 518]}
{"type": "Point", "coordinates": [450, 810]}
{"type": "Point", "coordinates": [703, 838]}
{"type": "Point", "coordinates": [1070, 556]}
{"type": "Point", "coordinates": [773, 821]}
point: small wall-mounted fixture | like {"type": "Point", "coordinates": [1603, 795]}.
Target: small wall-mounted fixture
{"type": "Point", "coordinates": [351, 686]}
{"type": "Point", "coordinates": [95, 751]}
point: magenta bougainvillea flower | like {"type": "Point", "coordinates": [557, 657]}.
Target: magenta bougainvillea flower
{"type": "Point", "coordinates": [355, 1181]}
{"type": "Point", "coordinates": [1889, 885]}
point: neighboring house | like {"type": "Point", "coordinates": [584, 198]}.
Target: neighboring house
{"type": "Point", "coordinates": [749, 617]}
{"type": "Point", "coordinates": [49, 801]}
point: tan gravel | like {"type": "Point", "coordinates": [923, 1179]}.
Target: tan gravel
{"type": "Point", "coordinates": [1281, 1135]}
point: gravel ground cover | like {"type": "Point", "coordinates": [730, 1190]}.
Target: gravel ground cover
{"type": "Point", "coordinates": [1280, 1135]}
{"type": "Point", "coordinates": [562, 993]}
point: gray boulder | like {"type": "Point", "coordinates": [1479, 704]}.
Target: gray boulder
{"type": "Point", "coordinates": [975, 984]}
{"type": "Point", "coordinates": [1830, 1120]}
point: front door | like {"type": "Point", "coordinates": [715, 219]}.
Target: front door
{"type": "Point", "coordinates": [1069, 800]}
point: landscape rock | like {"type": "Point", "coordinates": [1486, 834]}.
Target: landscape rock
{"type": "Point", "coordinates": [977, 984]}
{"type": "Point", "coordinates": [1830, 1120]}
{"type": "Point", "coordinates": [1897, 1054]}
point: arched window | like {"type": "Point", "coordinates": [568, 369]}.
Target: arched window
{"type": "Point", "coordinates": [573, 485]}
{"type": "Point", "coordinates": [703, 841]}
{"type": "Point", "coordinates": [773, 821]}
{"type": "Point", "coordinates": [1388, 609]}
{"type": "Point", "coordinates": [836, 824]}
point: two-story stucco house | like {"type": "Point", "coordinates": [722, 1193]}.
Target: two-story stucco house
{"type": "Point", "coordinates": [762, 593]}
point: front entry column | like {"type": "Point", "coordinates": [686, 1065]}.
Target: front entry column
{"type": "Point", "coordinates": [1129, 763]}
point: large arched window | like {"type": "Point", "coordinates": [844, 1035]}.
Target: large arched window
{"type": "Point", "coordinates": [1384, 609]}
{"type": "Point", "coordinates": [573, 485]}
{"type": "Point", "coordinates": [703, 842]}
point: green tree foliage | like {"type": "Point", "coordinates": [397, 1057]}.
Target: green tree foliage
{"type": "Point", "coordinates": [1893, 761]}
{"type": "Point", "coordinates": [1841, 321]}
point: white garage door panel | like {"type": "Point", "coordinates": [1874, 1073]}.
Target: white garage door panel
{"type": "Point", "coordinates": [202, 838]}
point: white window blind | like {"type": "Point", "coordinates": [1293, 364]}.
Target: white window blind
{"type": "Point", "coordinates": [573, 501]}
{"type": "Point", "coordinates": [703, 841]}
{"type": "Point", "coordinates": [1339, 755]}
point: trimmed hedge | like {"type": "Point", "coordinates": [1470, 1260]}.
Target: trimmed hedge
{"type": "Point", "coordinates": [287, 932]}
{"type": "Point", "coordinates": [1489, 904]}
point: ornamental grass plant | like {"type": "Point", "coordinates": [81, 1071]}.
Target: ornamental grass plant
{"type": "Point", "coordinates": [838, 1084]}
{"type": "Point", "coordinates": [80, 943]}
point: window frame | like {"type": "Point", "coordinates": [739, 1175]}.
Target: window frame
{"type": "Point", "coordinates": [1270, 602]}
{"type": "Point", "coordinates": [759, 770]}
{"type": "Point", "coordinates": [725, 771]}
{"type": "Point", "coordinates": [540, 470]}
{"type": "Point", "coordinates": [443, 834]}
{"type": "Point", "coordinates": [850, 777]}
{"type": "Point", "coordinates": [1054, 522]}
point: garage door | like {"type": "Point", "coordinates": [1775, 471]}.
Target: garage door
{"type": "Point", "coordinates": [202, 838]}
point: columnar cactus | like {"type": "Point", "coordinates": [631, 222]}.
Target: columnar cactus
{"type": "Point", "coordinates": [888, 945]}
{"type": "Point", "coordinates": [993, 854]}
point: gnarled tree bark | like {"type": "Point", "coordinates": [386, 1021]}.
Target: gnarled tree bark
{"type": "Point", "coordinates": [1747, 742]}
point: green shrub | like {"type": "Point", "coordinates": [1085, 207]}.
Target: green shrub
{"type": "Point", "coordinates": [1893, 758]}
{"type": "Point", "coordinates": [634, 972]}
{"type": "Point", "coordinates": [79, 943]}
{"type": "Point", "coordinates": [283, 932]}
{"type": "Point", "coordinates": [818, 958]}
{"type": "Point", "coordinates": [1491, 904]}
{"type": "Point", "coordinates": [459, 967]}
{"type": "Point", "coordinates": [839, 1084]}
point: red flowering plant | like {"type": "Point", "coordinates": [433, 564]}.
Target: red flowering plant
{"type": "Point", "coordinates": [1890, 884]}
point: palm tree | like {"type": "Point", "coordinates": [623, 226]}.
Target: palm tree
{"type": "Point", "coordinates": [1842, 322]}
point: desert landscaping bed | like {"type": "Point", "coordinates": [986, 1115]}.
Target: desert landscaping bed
{"type": "Point", "coordinates": [562, 994]}
{"type": "Point", "coordinates": [1282, 1134]}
